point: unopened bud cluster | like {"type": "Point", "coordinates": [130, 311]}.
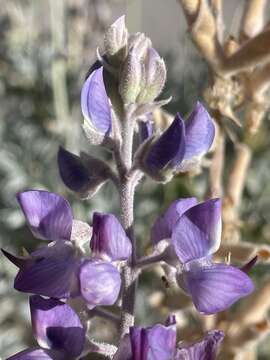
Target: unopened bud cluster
{"type": "Point", "coordinates": [141, 71]}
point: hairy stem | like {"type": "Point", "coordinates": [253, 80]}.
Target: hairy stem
{"type": "Point", "coordinates": [107, 350]}
{"type": "Point", "coordinates": [126, 191]}
{"type": "Point", "coordinates": [105, 314]}
{"type": "Point", "coordinates": [148, 261]}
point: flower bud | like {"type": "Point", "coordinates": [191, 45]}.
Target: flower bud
{"type": "Point", "coordinates": [115, 41]}
{"type": "Point", "coordinates": [130, 78]}
{"type": "Point", "coordinates": [144, 73]}
{"type": "Point", "coordinates": [84, 175]}
{"type": "Point", "coordinates": [109, 240]}
{"type": "Point", "coordinates": [154, 71]}
{"type": "Point", "coordinates": [160, 157]}
{"type": "Point", "coordinates": [140, 43]}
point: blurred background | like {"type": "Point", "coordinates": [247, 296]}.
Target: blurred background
{"type": "Point", "coordinates": [46, 49]}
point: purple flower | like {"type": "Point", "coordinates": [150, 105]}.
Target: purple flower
{"type": "Point", "coordinates": [155, 343]}
{"type": "Point", "coordinates": [180, 147]}
{"type": "Point", "coordinates": [166, 153]}
{"type": "Point", "coordinates": [83, 174]}
{"type": "Point", "coordinates": [100, 283]}
{"type": "Point", "coordinates": [61, 270]}
{"type": "Point", "coordinates": [73, 172]}
{"type": "Point", "coordinates": [195, 237]}
{"type": "Point", "coordinates": [57, 329]}
{"type": "Point", "coordinates": [109, 240]}
{"type": "Point", "coordinates": [205, 349]}
{"type": "Point", "coordinates": [48, 215]}
{"type": "Point", "coordinates": [95, 103]}
{"type": "Point", "coordinates": [145, 128]}
{"type": "Point", "coordinates": [50, 270]}
{"type": "Point", "coordinates": [162, 228]}
{"type": "Point", "coordinates": [200, 133]}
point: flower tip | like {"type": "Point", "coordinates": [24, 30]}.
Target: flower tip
{"type": "Point", "coordinates": [16, 260]}
{"type": "Point", "coordinates": [171, 320]}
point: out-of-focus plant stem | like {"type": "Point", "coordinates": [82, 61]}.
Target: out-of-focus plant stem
{"type": "Point", "coordinates": [64, 126]}
{"type": "Point", "coordinates": [216, 167]}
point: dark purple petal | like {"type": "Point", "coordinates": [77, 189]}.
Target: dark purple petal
{"type": "Point", "coordinates": [216, 287]}
{"type": "Point", "coordinates": [198, 232]}
{"type": "Point", "coordinates": [57, 326]}
{"type": "Point", "coordinates": [72, 171]}
{"type": "Point", "coordinates": [97, 64]}
{"type": "Point", "coordinates": [171, 320]}
{"type": "Point", "coordinates": [206, 349]}
{"type": "Point", "coordinates": [249, 265]}
{"type": "Point", "coordinates": [162, 229]}
{"type": "Point", "coordinates": [19, 261]}
{"type": "Point", "coordinates": [200, 132]}
{"type": "Point", "coordinates": [124, 350]}
{"type": "Point", "coordinates": [95, 103]}
{"type": "Point", "coordinates": [145, 128]}
{"type": "Point", "coordinates": [169, 149]}
{"type": "Point", "coordinates": [155, 343]}
{"type": "Point", "coordinates": [109, 240]}
{"type": "Point", "coordinates": [100, 283]}
{"type": "Point", "coordinates": [49, 215]}
{"type": "Point", "coordinates": [51, 271]}
{"type": "Point", "coordinates": [38, 354]}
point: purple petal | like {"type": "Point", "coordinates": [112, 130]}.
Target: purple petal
{"type": "Point", "coordinates": [109, 240]}
{"type": "Point", "coordinates": [145, 128]}
{"type": "Point", "coordinates": [38, 354]}
{"type": "Point", "coordinates": [72, 171]}
{"type": "Point", "coordinates": [169, 149]}
{"type": "Point", "coordinates": [95, 103]}
{"type": "Point", "coordinates": [100, 283]}
{"type": "Point", "coordinates": [124, 349]}
{"type": "Point", "coordinates": [216, 287]}
{"type": "Point", "coordinates": [49, 215]}
{"type": "Point", "coordinates": [206, 349]}
{"type": "Point", "coordinates": [56, 326]}
{"type": "Point", "coordinates": [155, 343]}
{"type": "Point", "coordinates": [198, 232]}
{"type": "Point", "coordinates": [19, 261]}
{"type": "Point", "coordinates": [50, 272]}
{"type": "Point", "coordinates": [162, 229]}
{"type": "Point", "coordinates": [200, 132]}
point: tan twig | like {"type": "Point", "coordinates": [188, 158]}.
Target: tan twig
{"type": "Point", "coordinates": [255, 308]}
{"type": "Point", "coordinates": [217, 6]}
{"type": "Point", "coordinates": [203, 30]}
{"type": "Point", "coordinates": [253, 52]}
{"type": "Point", "coordinates": [233, 193]}
{"type": "Point", "coordinates": [237, 176]}
{"type": "Point", "coordinates": [216, 167]}
{"type": "Point", "coordinates": [259, 81]}
{"type": "Point", "coordinates": [243, 251]}
{"type": "Point", "coordinates": [253, 19]}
